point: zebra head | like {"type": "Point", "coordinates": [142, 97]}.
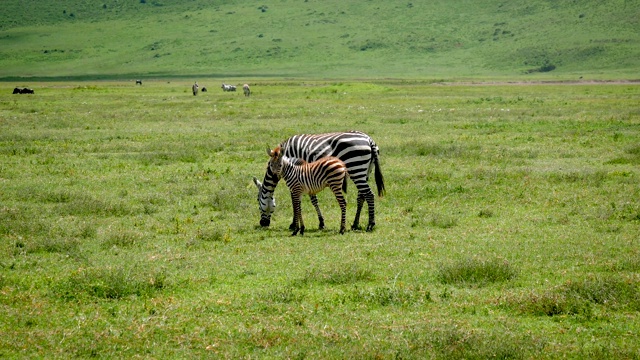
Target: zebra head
{"type": "Point", "coordinates": [266, 200]}
{"type": "Point", "coordinates": [275, 163]}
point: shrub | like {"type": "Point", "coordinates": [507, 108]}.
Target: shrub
{"type": "Point", "coordinates": [338, 275]}
{"type": "Point", "coordinates": [442, 221]}
{"type": "Point", "coordinates": [391, 295]}
{"type": "Point", "coordinates": [456, 342]}
{"type": "Point", "coordinates": [209, 234]}
{"type": "Point", "coordinates": [109, 283]}
{"type": "Point", "coordinates": [282, 295]}
{"type": "Point", "coordinates": [552, 303]}
{"type": "Point", "coordinates": [53, 245]}
{"type": "Point", "coordinates": [122, 238]}
{"type": "Point", "coordinates": [579, 297]}
{"type": "Point", "coordinates": [610, 291]}
{"type": "Point", "coordinates": [476, 272]}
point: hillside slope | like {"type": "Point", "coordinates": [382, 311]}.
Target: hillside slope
{"type": "Point", "coordinates": [313, 38]}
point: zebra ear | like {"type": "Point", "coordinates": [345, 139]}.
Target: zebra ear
{"type": "Point", "coordinates": [269, 152]}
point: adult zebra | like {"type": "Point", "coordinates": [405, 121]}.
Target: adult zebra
{"type": "Point", "coordinates": [310, 178]}
{"type": "Point", "coordinates": [358, 151]}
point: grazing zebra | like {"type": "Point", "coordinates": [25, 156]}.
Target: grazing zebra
{"type": "Point", "coordinates": [310, 178]}
{"type": "Point", "coordinates": [358, 151]}
{"type": "Point", "coordinates": [246, 89]}
{"type": "Point", "coordinates": [194, 88]}
{"type": "Point", "coordinates": [226, 87]}
{"type": "Point", "coordinates": [138, 82]}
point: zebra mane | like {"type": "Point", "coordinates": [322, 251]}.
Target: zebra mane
{"type": "Point", "coordinates": [297, 161]}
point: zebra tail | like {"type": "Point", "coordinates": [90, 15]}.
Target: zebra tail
{"type": "Point", "coordinates": [378, 174]}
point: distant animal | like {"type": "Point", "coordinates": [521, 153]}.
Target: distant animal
{"type": "Point", "coordinates": [310, 178]}
{"type": "Point", "coordinates": [23, 91]}
{"type": "Point", "coordinates": [194, 88]}
{"type": "Point", "coordinates": [226, 87]}
{"type": "Point", "coordinates": [356, 149]}
{"type": "Point", "coordinates": [204, 89]}
{"type": "Point", "coordinates": [246, 89]}
{"type": "Point", "coordinates": [138, 82]}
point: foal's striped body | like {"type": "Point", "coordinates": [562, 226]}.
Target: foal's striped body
{"type": "Point", "coordinates": [305, 178]}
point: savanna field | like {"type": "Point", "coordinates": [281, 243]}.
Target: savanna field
{"type": "Point", "coordinates": [510, 227]}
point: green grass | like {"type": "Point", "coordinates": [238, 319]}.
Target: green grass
{"type": "Point", "coordinates": [487, 39]}
{"type": "Point", "coordinates": [129, 223]}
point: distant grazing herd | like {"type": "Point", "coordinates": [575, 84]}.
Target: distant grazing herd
{"type": "Point", "coordinates": [225, 88]}
{"type": "Point", "coordinates": [194, 89]}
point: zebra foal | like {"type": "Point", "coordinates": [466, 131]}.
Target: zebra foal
{"type": "Point", "coordinates": [310, 178]}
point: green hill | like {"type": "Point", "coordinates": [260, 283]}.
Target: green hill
{"type": "Point", "coordinates": [320, 38]}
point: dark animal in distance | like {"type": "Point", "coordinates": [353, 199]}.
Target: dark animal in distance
{"type": "Point", "coordinates": [204, 89]}
{"type": "Point", "coordinates": [138, 82]}
{"type": "Point", "coordinates": [23, 91]}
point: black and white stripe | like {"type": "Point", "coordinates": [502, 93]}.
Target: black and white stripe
{"type": "Point", "coordinates": [310, 178]}
{"type": "Point", "coordinates": [358, 151]}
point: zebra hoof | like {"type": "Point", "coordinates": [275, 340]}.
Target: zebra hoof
{"type": "Point", "coordinates": [321, 225]}
{"type": "Point", "coordinates": [301, 230]}
{"type": "Point", "coordinates": [295, 232]}
{"type": "Point", "coordinates": [356, 227]}
{"type": "Point", "coordinates": [342, 230]}
{"type": "Point", "coordinates": [293, 227]}
{"type": "Point", "coordinates": [370, 226]}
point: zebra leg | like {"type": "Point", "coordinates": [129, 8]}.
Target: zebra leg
{"type": "Point", "coordinates": [297, 214]}
{"type": "Point", "coordinates": [343, 211]}
{"type": "Point", "coordinates": [372, 212]}
{"type": "Point", "coordinates": [356, 221]}
{"type": "Point", "coordinates": [343, 207]}
{"type": "Point", "coordinates": [314, 201]}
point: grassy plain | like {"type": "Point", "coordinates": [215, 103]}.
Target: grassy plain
{"type": "Point", "coordinates": [115, 39]}
{"type": "Point", "coordinates": [510, 229]}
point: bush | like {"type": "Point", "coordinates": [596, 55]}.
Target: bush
{"type": "Point", "coordinates": [282, 295]}
{"type": "Point", "coordinates": [391, 295]}
{"type": "Point", "coordinates": [456, 342]}
{"type": "Point", "coordinates": [109, 283]}
{"type": "Point", "coordinates": [579, 297]}
{"type": "Point", "coordinates": [338, 275]}
{"type": "Point", "coordinates": [476, 272]}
